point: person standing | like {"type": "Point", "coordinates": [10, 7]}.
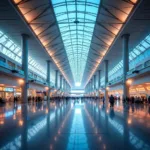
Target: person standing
{"type": "Point", "coordinates": [111, 100]}
{"type": "Point", "coordinates": [149, 100]}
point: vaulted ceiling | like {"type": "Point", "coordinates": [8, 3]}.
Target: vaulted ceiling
{"type": "Point", "coordinates": [77, 34]}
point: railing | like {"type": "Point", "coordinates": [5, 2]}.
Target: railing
{"type": "Point", "coordinates": [5, 65]}
{"type": "Point", "coordinates": [147, 64]}
{"type": "Point", "coordinates": [115, 80]}
{"type": "Point", "coordinates": [33, 76]}
{"type": "Point", "coordinates": [137, 68]}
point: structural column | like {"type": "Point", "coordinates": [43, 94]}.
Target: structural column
{"type": "Point", "coordinates": [64, 84]}
{"type": "Point", "coordinates": [88, 87]}
{"type": "Point", "coordinates": [25, 86]}
{"type": "Point", "coordinates": [99, 79]}
{"type": "Point", "coordinates": [94, 82]}
{"type": "Point", "coordinates": [48, 78]}
{"type": "Point", "coordinates": [60, 82]}
{"type": "Point", "coordinates": [56, 79]}
{"type": "Point", "coordinates": [125, 39]}
{"type": "Point", "coordinates": [91, 85]}
{"type": "Point", "coordinates": [106, 79]}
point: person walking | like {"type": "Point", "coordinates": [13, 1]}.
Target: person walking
{"type": "Point", "coordinates": [111, 100]}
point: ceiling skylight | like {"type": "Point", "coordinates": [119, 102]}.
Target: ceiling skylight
{"type": "Point", "coordinates": [76, 21]}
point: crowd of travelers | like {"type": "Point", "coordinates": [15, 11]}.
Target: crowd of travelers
{"type": "Point", "coordinates": [112, 99]}
{"type": "Point", "coordinates": [17, 99]}
{"type": "Point", "coordinates": [130, 100]}
{"type": "Point", "coordinates": [35, 98]}
{"type": "Point", "coordinates": [137, 99]}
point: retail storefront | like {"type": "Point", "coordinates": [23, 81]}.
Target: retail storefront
{"type": "Point", "coordinates": [117, 93]}
{"type": "Point", "coordinates": [17, 92]}
{"type": "Point", "coordinates": [7, 93]}
{"type": "Point", "coordinates": [41, 94]}
{"type": "Point", "coordinates": [2, 93]}
{"type": "Point", "coordinates": [139, 90]}
{"type": "Point", "coordinates": [32, 92]}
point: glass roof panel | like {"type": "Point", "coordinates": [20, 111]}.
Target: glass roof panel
{"type": "Point", "coordinates": [79, 17]}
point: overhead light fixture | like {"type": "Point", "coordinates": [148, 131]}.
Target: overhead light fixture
{"type": "Point", "coordinates": [76, 21]}
{"type": "Point", "coordinates": [21, 81]}
{"type": "Point", "coordinates": [129, 81]}
{"type": "Point", "coordinates": [135, 71]}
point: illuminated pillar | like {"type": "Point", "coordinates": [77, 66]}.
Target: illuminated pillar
{"type": "Point", "coordinates": [106, 79]}
{"type": "Point", "coordinates": [56, 79]}
{"type": "Point", "coordinates": [125, 41]}
{"type": "Point", "coordinates": [25, 86]}
{"type": "Point", "coordinates": [60, 82]}
{"type": "Point", "coordinates": [48, 78]}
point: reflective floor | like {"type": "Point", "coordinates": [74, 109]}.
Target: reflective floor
{"type": "Point", "coordinates": [77, 125]}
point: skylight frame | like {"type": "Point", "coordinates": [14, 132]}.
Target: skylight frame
{"type": "Point", "coordinates": [75, 35]}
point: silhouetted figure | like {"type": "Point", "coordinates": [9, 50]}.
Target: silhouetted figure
{"type": "Point", "coordinates": [111, 100]}
{"type": "Point", "coordinates": [149, 100]}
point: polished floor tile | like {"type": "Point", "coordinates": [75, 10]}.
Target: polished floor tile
{"type": "Point", "coordinates": [74, 125]}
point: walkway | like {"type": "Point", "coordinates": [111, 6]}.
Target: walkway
{"type": "Point", "coordinates": [79, 125]}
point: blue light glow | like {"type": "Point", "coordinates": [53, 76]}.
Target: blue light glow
{"type": "Point", "coordinates": [76, 21]}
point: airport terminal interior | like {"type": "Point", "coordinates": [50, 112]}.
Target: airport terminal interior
{"type": "Point", "coordinates": [74, 74]}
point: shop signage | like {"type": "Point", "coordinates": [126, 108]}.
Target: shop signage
{"type": "Point", "coordinates": [18, 90]}
{"type": "Point", "coordinates": [8, 89]}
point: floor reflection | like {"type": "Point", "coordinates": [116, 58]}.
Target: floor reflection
{"type": "Point", "coordinates": [86, 124]}
{"type": "Point", "coordinates": [77, 138]}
